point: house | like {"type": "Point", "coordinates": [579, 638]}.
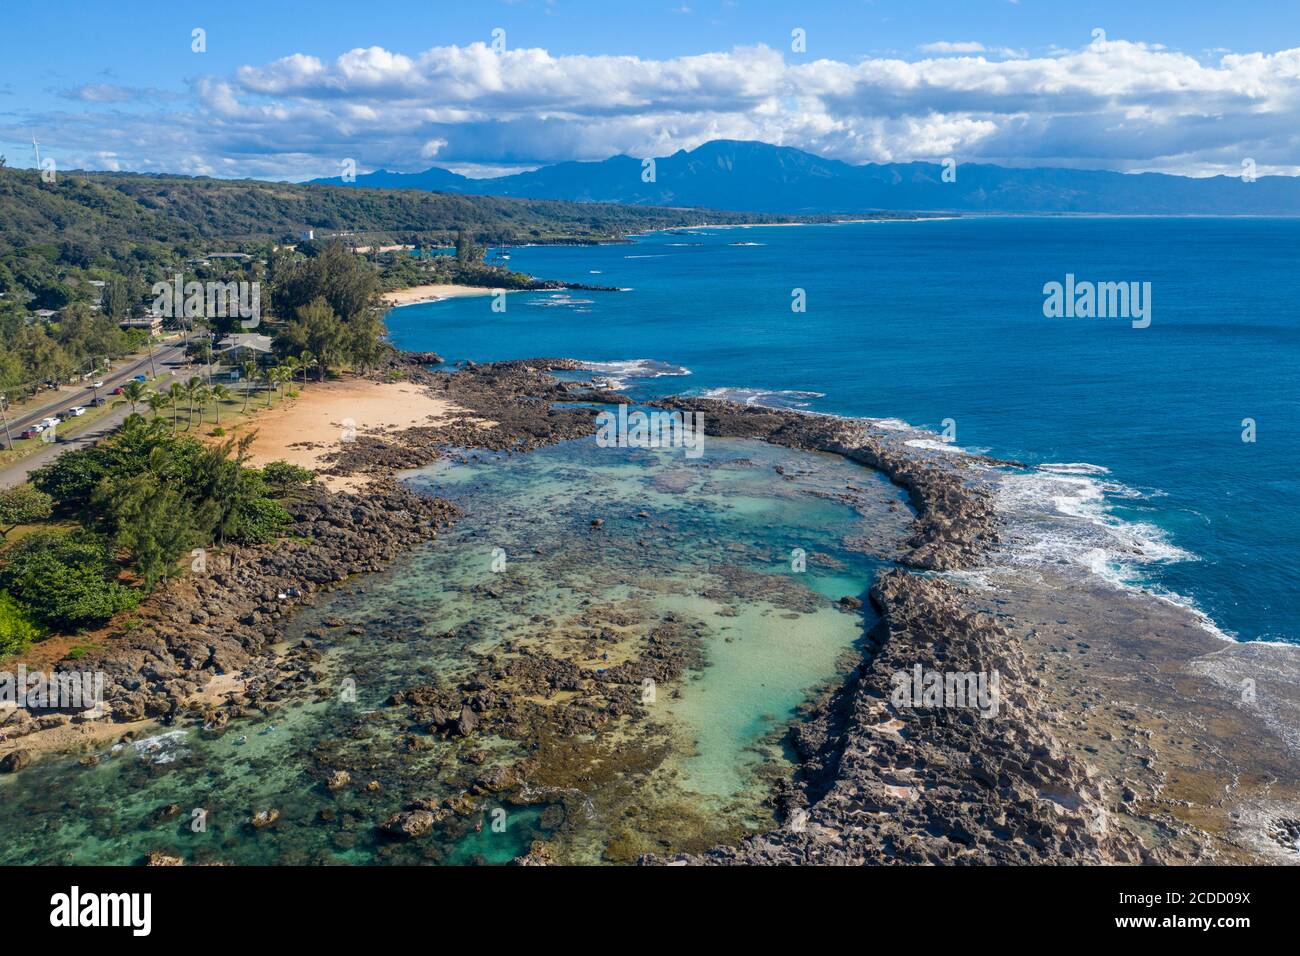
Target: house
{"type": "Point", "coordinates": [242, 346]}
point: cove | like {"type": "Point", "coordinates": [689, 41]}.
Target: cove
{"type": "Point", "coordinates": [483, 690]}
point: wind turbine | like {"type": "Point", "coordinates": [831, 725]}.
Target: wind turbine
{"type": "Point", "coordinates": [36, 149]}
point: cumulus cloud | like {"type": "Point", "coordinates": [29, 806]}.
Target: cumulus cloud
{"type": "Point", "coordinates": [1113, 104]}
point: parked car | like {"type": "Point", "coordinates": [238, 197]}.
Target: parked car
{"type": "Point", "coordinates": [142, 378]}
{"type": "Point", "coordinates": [32, 432]}
{"type": "Point", "coordinates": [118, 390]}
{"type": "Point", "coordinates": [99, 401]}
{"type": "Point", "coordinates": [77, 410]}
{"type": "Point", "coordinates": [47, 423]}
{"type": "Point", "coordinates": [96, 384]}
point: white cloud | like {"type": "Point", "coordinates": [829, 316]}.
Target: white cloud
{"type": "Point", "coordinates": [1113, 103]}
{"type": "Point", "coordinates": [946, 46]}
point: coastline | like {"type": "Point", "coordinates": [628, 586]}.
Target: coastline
{"type": "Point", "coordinates": [419, 294]}
{"type": "Point", "coordinates": [872, 787]}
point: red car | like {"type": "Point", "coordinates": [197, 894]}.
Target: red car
{"type": "Point", "coordinates": [30, 433]}
{"type": "Point", "coordinates": [117, 391]}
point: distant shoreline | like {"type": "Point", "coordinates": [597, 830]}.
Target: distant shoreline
{"type": "Point", "coordinates": [436, 292]}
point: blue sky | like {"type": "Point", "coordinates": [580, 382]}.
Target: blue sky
{"type": "Point", "coordinates": [1192, 87]}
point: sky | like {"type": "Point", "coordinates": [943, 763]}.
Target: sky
{"type": "Point", "coordinates": [289, 91]}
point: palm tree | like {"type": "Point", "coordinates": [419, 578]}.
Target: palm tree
{"type": "Point", "coordinates": [290, 365]}
{"type": "Point", "coordinates": [191, 392]}
{"type": "Point", "coordinates": [202, 395]}
{"type": "Point", "coordinates": [176, 393]}
{"type": "Point", "coordinates": [133, 391]}
{"type": "Point", "coordinates": [247, 371]}
{"type": "Point", "coordinates": [306, 361]}
{"type": "Point", "coordinates": [156, 401]}
{"type": "Point", "coordinates": [270, 376]}
{"type": "Point", "coordinates": [219, 394]}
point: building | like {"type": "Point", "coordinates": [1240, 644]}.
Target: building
{"type": "Point", "coordinates": [151, 323]}
{"type": "Point", "coordinates": [238, 348]}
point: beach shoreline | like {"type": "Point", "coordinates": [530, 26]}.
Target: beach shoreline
{"type": "Point", "coordinates": [436, 292]}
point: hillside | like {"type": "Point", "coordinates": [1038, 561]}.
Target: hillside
{"type": "Point", "coordinates": [89, 215]}
{"type": "Point", "coordinates": [730, 174]}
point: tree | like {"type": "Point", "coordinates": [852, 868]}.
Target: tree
{"type": "Point", "coordinates": [156, 401]}
{"type": "Point", "coordinates": [306, 362]}
{"type": "Point", "coordinates": [67, 580]}
{"type": "Point", "coordinates": [202, 395]}
{"type": "Point", "coordinates": [22, 505]}
{"type": "Point", "coordinates": [151, 520]}
{"type": "Point", "coordinates": [220, 393]}
{"type": "Point", "coordinates": [284, 477]}
{"type": "Point", "coordinates": [316, 328]}
{"type": "Point", "coordinates": [191, 391]}
{"type": "Point", "coordinates": [18, 626]}
{"type": "Point", "coordinates": [247, 372]}
{"type": "Point", "coordinates": [133, 391]}
{"type": "Point", "coordinates": [71, 478]}
{"type": "Point", "coordinates": [269, 377]}
{"type": "Point", "coordinates": [176, 393]}
{"type": "Point", "coordinates": [349, 285]}
{"type": "Point", "coordinates": [117, 298]}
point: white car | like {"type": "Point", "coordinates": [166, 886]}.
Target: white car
{"type": "Point", "coordinates": [96, 384]}
{"type": "Point", "coordinates": [77, 410]}
{"type": "Point", "coordinates": [48, 423]}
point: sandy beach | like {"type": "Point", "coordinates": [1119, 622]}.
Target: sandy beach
{"type": "Point", "coordinates": [432, 293]}
{"type": "Point", "coordinates": [305, 429]}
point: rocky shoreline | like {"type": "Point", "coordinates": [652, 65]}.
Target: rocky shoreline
{"type": "Point", "coordinates": [875, 784]}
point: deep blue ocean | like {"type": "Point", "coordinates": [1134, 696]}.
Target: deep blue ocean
{"type": "Point", "coordinates": [929, 321]}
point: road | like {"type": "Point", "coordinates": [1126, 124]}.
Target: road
{"type": "Point", "coordinates": [66, 398]}
{"type": "Point", "coordinates": [170, 364]}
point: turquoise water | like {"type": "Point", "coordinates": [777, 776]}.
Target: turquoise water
{"type": "Point", "coordinates": [706, 543]}
{"type": "Point", "coordinates": [943, 320]}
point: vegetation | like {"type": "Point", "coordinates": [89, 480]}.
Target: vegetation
{"type": "Point", "coordinates": [144, 498]}
{"type": "Point", "coordinates": [22, 505]}
{"type": "Point", "coordinates": [64, 581]}
{"type": "Point", "coordinates": [18, 626]}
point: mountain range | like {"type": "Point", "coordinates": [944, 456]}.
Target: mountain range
{"type": "Point", "coordinates": [759, 177]}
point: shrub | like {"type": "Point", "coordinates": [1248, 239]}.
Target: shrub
{"type": "Point", "coordinates": [66, 580]}
{"type": "Point", "coordinates": [18, 626]}
{"type": "Point", "coordinates": [258, 520]}
{"type": "Point", "coordinates": [283, 477]}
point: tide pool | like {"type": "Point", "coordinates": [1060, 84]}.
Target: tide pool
{"type": "Point", "coordinates": [703, 547]}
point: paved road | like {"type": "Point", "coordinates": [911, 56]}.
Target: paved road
{"type": "Point", "coordinates": [67, 397]}
{"type": "Point", "coordinates": [170, 365]}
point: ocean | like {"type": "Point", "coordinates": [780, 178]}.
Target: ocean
{"type": "Point", "coordinates": [1163, 456]}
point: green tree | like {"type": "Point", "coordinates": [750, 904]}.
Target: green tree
{"type": "Point", "coordinates": [156, 401]}
{"type": "Point", "coordinates": [151, 520]}
{"type": "Point", "coordinates": [284, 477]}
{"type": "Point", "coordinates": [67, 580]}
{"type": "Point", "coordinates": [316, 328]}
{"type": "Point", "coordinates": [22, 505]}
{"type": "Point", "coordinates": [133, 391]}
{"type": "Point", "coordinates": [220, 393]}
{"type": "Point", "coordinates": [247, 374]}
{"type": "Point", "coordinates": [176, 393]}
{"type": "Point", "coordinates": [18, 626]}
